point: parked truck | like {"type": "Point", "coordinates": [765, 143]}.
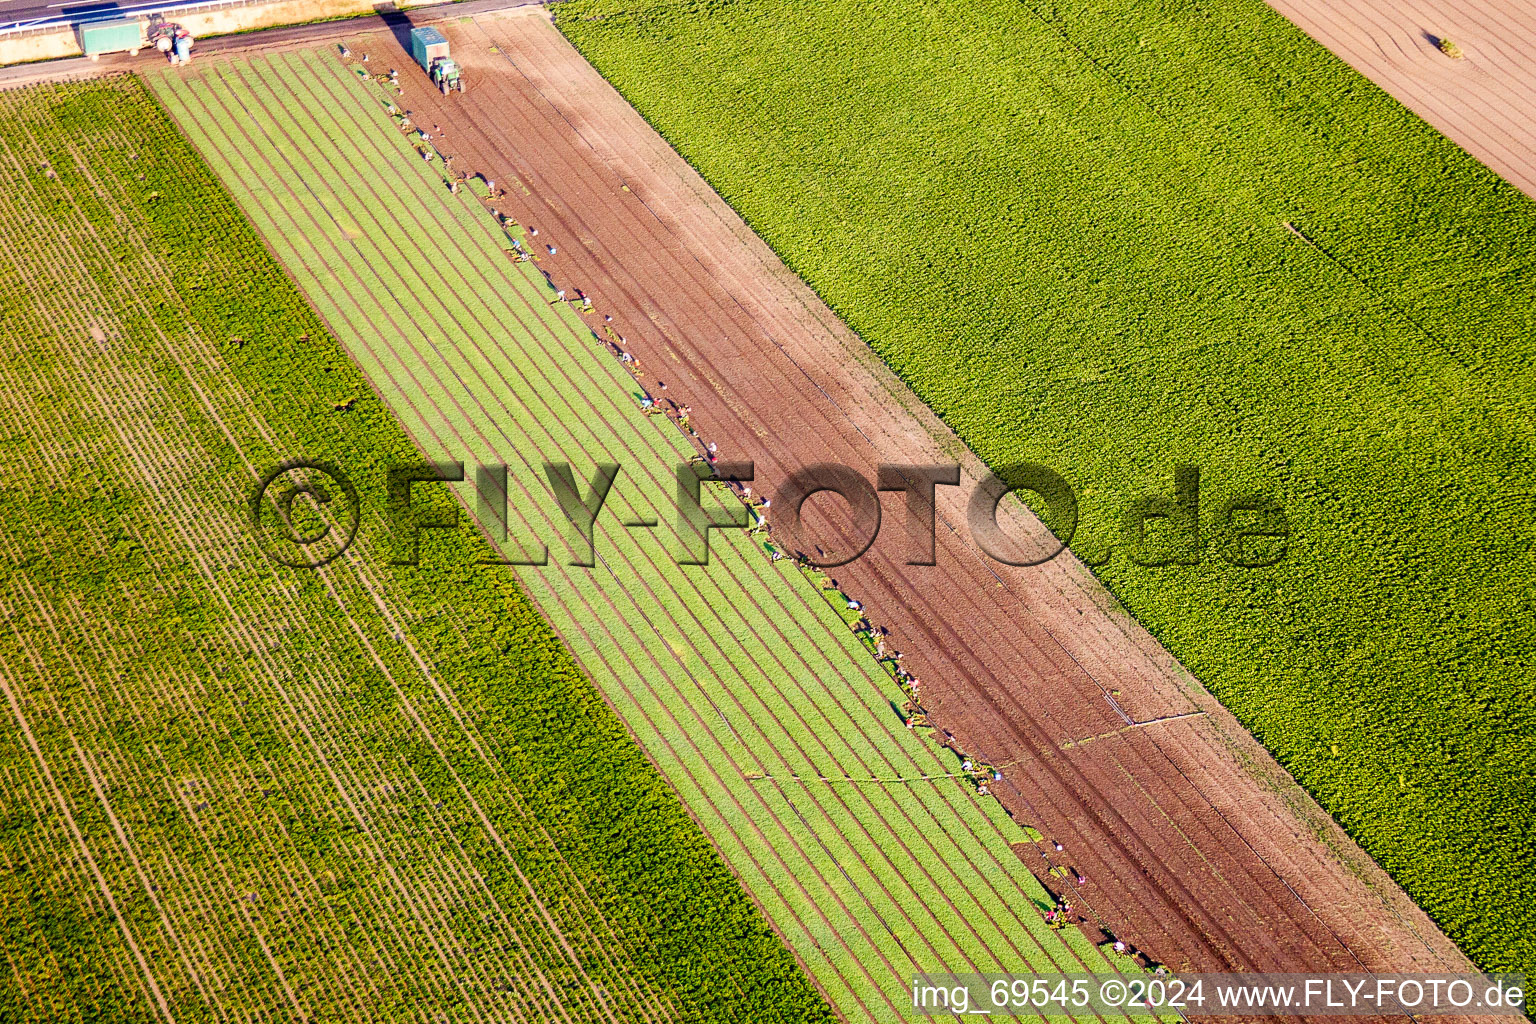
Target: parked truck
{"type": "Point", "coordinates": [115, 36]}
{"type": "Point", "coordinates": [429, 48]}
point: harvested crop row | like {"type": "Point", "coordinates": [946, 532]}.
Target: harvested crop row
{"type": "Point", "coordinates": [1167, 234]}
{"type": "Point", "coordinates": [735, 677]}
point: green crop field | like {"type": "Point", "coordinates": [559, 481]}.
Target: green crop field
{"type": "Point", "coordinates": [1119, 237]}
{"type": "Point", "coordinates": [234, 791]}
{"type": "Point", "coordinates": [773, 722]}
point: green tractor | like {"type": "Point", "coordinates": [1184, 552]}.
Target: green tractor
{"type": "Point", "coordinates": [445, 73]}
{"type": "Point", "coordinates": [430, 49]}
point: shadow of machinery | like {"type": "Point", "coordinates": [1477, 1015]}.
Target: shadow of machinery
{"type": "Point", "coordinates": [398, 23]}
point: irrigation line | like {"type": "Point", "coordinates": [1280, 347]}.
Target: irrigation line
{"type": "Point", "coordinates": [1069, 744]}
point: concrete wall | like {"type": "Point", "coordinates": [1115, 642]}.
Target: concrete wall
{"type": "Point", "coordinates": [64, 43]}
{"type": "Point", "coordinates": [39, 46]}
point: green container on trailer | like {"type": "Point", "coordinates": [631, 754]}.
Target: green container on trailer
{"type": "Point", "coordinates": [98, 37]}
{"type": "Point", "coordinates": [427, 43]}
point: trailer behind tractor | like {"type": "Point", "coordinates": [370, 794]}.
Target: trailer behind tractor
{"type": "Point", "coordinates": [117, 35]}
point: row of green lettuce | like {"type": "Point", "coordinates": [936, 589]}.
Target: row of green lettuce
{"type": "Point", "coordinates": [733, 679]}
{"type": "Point", "coordinates": [1123, 237]}
{"type": "Point", "coordinates": [676, 916]}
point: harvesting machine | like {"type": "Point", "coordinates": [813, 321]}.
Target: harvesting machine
{"type": "Point", "coordinates": [170, 39]}
{"type": "Point", "coordinates": [430, 49]}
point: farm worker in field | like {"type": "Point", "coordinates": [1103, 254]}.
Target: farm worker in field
{"type": "Point", "coordinates": [1120, 946]}
{"type": "Point", "coordinates": [855, 606]}
{"type": "Point", "coordinates": [551, 249]}
{"type": "Point", "coordinates": [1081, 880]}
{"type": "Point", "coordinates": [560, 295]}
{"type": "Point", "coordinates": [1057, 845]}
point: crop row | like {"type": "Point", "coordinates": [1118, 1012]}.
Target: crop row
{"type": "Point", "coordinates": [232, 791]}
{"type": "Point", "coordinates": [737, 678]}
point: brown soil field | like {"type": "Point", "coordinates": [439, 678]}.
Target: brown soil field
{"type": "Point", "coordinates": [1191, 842]}
{"type": "Point", "coordinates": [1484, 101]}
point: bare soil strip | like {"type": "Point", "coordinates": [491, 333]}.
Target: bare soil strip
{"type": "Point", "coordinates": [1194, 844]}
{"type": "Point", "coordinates": [208, 919]}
